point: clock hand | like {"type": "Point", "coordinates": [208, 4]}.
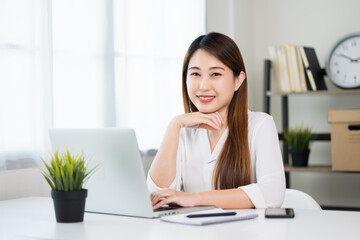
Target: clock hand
{"type": "Point", "coordinates": [342, 55]}
{"type": "Point", "coordinates": [351, 59]}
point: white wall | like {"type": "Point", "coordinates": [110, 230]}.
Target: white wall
{"type": "Point", "coordinates": [232, 18]}
{"type": "Point", "coordinates": [219, 16]}
{"type": "Point", "coordinates": [262, 23]}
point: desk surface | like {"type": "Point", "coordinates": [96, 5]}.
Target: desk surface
{"type": "Point", "coordinates": [34, 218]}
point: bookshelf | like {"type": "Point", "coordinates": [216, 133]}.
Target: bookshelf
{"type": "Point", "coordinates": [312, 168]}
{"type": "Point", "coordinates": [267, 94]}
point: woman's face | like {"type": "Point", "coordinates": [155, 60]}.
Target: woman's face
{"type": "Point", "coordinates": [210, 83]}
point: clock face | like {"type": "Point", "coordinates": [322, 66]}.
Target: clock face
{"type": "Point", "coordinates": [343, 65]}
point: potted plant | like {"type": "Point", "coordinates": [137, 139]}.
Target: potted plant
{"type": "Point", "coordinates": [66, 174]}
{"type": "Point", "coordinates": [298, 139]}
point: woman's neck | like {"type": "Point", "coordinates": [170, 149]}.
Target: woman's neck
{"type": "Point", "coordinates": [215, 135]}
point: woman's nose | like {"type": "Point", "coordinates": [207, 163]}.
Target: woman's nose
{"type": "Point", "coordinates": [205, 83]}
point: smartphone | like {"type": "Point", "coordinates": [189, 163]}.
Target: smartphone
{"type": "Point", "coordinates": [279, 213]}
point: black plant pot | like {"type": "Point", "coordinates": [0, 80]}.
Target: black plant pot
{"type": "Point", "coordinates": [300, 157]}
{"type": "Point", "coordinates": [69, 206]}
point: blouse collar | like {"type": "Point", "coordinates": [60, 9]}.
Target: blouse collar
{"type": "Point", "coordinates": [219, 145]}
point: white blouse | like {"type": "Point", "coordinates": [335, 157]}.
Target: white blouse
{"type": "Point", "coordinates": [195, 162]}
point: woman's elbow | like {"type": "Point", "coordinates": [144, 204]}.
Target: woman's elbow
{"type": "Point", "coordinates": [274, 194]}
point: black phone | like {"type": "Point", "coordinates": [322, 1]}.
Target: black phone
{"type": "Point", "coordinates": [279, 213]}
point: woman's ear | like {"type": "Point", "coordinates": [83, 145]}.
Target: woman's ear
{"type": "Point", "coordinates": [239, 80]}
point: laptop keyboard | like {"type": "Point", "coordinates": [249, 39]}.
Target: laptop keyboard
{"type": "Point", "coordinates": [165, 209]}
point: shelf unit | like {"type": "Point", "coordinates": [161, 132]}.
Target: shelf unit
{"type": "Point", "coordinates": [321, 92]}
{"type": "Point", "coordinates": [285, 119]}
{"type": "Point", "coordinates": [312, 168]}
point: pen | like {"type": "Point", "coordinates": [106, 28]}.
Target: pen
{"type": "Point", "coordinates": [211, 215]}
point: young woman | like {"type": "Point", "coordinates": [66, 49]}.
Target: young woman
{"type": "Point", "coordinates": [218, 153]}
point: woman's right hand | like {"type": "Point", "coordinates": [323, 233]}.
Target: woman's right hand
{"type": "Point", "coordinates": [210, 121]}
{"type": "Point", "coordinates": [163, 168]}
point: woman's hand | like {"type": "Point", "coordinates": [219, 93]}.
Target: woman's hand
{"type": "Point", "coordinates": [210, 121]}
{"type": "Point", "coordinates": [169, 197]}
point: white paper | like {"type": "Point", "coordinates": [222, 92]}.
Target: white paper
{"type": "Point", "coordinates": [182, 219]}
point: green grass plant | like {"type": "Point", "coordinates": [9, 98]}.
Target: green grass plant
{"type": "Point", "coordinates": [298, 137]}
{"type": "Point", "coordinates": [66, 172]}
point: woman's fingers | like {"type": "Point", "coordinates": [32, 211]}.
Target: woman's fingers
{"type": "Point", "coordinates": [220, 118]}
{"type": "Point", "coordinates": [216, 119]}
{"type": "Point", "coordinates": [155, 197]}
{"type": "Point", "coordinates": [162, 197]}
{"type": "Point", "coordinates": [159, 195]}
{"type": "Point", "coordinates": [164, 201]}
{"type": "Point", "coordinates": [206, 126]}
{"type": "Point", "coordinates": [170, 196]}
{"type": "Point", "coordinates": [211, 121]}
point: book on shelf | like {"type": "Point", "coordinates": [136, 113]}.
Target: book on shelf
{"type": "Point", "coordinates": [314, 68]}
{"type": "Point", "coordinates": [278, 59]}
{"type": "Point", "coordinates": [302, 77]}
{"type": "Point", "coordinates": [297, 68]}
{"type": "Point", "coordinates": [286, 70]}
{"type": "Point", "coordinates": [310, 82]}
{"type": "Point", "coordinates": [275, 60]}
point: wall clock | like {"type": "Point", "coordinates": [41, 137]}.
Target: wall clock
{"type": "Point", "coordinates": [343, 62]}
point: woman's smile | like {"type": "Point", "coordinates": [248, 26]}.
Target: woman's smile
{"type": "Point", "coordinates": [205, 98]}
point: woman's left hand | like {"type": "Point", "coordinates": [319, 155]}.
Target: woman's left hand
{"type": "Point", "coordinates": [169, 196]}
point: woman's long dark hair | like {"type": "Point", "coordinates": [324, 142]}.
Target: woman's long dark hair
{"type": "Point", "coordinates": [233, 167]}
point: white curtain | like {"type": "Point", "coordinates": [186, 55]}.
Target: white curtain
{"type": "Point", "coordinates": [149, 52]}
{"type": "Point", "coordinates": [25, 80]}
{"type": "Point", "coordinates": [90, 63]}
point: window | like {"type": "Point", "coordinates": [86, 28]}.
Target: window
{"type": "Point", "coordinates": [91, 63]}
{"type": "Point", "coordinates": [149, 52]}
{"type": "Point", "coordinates": [24, 75]}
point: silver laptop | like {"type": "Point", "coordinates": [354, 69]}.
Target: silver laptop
{"type": "Point", "coordinates": [119, 184]}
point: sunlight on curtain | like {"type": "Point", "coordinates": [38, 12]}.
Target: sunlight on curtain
{"type": "Point", "coordinates": [151, 39]}
{"type": "Point", "coordinates": [90, 63]}
{"type": "Point", "coordinates": [23, 75]}
{"type": "Point", "coordinates": [79, 62]}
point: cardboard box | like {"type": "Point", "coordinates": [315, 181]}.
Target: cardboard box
{"type": "Point", "coordinates": [345, 139]}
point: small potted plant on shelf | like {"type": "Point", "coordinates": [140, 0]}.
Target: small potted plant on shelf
{"type": "Point", "coordinates": [66, 174]}
{"type": "Point", "coordinates": [298, 139]}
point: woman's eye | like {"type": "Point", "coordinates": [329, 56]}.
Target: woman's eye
{"type": "Point", "coordinates": [216, 74]}
{"type": "Point", "coordinates": [194, 74]}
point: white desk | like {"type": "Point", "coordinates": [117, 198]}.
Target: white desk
{"type": "Point", "coordinates": [34, 218]}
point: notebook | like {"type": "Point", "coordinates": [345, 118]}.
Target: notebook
{"type": "Point", "coordinates": [183, 219]}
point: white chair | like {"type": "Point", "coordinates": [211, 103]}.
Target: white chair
{"type": "Point", "coordinates": [299, 200]}
{"type": "Point", "coordinates": [147, 158]}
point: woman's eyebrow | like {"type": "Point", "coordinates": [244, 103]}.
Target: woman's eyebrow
{"type": "Point", "coordinates": [197, 68]}
{"type": "Point", "coordinates": [212, 68]}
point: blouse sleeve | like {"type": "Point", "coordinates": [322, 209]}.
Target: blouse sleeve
{"type": "Point", "coordinates": [269, 189]}
{"type": "Point", "coordinates": [177, 182]}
